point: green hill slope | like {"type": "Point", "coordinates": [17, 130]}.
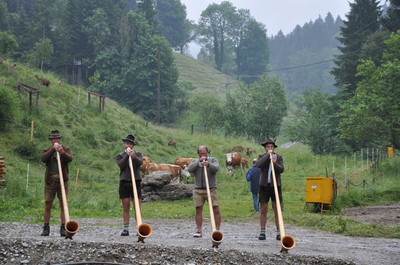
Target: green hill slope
{"type": "Point", "coordinates": [202, 76]}
{"type": "Point", "coordinates": [95, 139]}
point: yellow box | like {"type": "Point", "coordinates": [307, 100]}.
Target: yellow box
{"type": "Point", "coordinates": [319, 190]}
{"type": "Point", "coordinates": [390, 151]}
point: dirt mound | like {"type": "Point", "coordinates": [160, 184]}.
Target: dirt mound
{"type": "Point", "coordinates": [386, 215]}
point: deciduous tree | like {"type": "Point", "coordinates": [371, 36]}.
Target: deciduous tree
{"type": "Point", "coordinates": [256, 110]}
{"type": "Point", "coordinates": [372, 115]}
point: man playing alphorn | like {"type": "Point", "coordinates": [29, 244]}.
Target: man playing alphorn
{"type": "Point", "coordinates": [266, 185]}
{"type": "Point", "coordinates": [52, 178]}
{"type": "Point", "coordinates": [200, 191]}
{"type": "Point", "coordinates": [125, 178]}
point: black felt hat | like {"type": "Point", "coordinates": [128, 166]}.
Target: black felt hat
{"type": "Point", "coordinates": [269, 141]}
{"type": "Point", "coordinates": [130, 138]}
{"type": "Point", "coordinates": [55, 134]}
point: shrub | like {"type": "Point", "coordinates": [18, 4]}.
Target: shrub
{"type": "Point", "coordinates": [27, 150]}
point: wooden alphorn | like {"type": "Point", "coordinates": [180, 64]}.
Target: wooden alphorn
{"type": "Point", "coordinates": [143, 230]}
{"type": "Point", "coordinates": [71, 227]}
{"type": "Point", "coordinates": [216, 236]}
{"type": "Point", "coordinates": [287, 242]}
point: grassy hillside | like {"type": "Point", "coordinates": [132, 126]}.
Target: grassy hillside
{"type": "Point", "coordinates": [202, 76]}
{"type": "Point", "coordinates": [95, 139]}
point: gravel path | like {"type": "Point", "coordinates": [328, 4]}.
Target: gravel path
{"type": "Point", "coordinates": [172, 242]}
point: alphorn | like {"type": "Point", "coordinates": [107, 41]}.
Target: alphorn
{"type": "Point", "coordinates": [216, 236]}
{"type": "Point", "coordinates": [71, 227]}
{"type": "Point", "coordinates": [287, 242]}
{"type": "Point", "coordinates": [143, 230]}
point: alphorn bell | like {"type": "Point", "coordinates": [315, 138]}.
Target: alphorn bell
{"type": "Point", "coordinates": [216, 236]}
{"type": "Point", "coordinates": [287, 242]}
{"type": "Point", "coordinates": [71, 227]}
{"type": "Point", "coordinates": [143, 230]}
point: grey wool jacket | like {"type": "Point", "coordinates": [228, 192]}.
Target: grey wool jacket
{"type": "Point", "coordinates": [198, 170]}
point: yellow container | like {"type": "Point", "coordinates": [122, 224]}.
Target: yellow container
{"type": "Point", "coordinates": [390, 151]}
{"type": "Point", "coordinates": [319, 190]}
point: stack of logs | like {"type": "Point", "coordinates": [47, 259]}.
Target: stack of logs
{"type": "Point", "coordinates": [2, 171]}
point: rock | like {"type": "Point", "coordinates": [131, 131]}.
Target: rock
{"type": "Point", "coordinates": [157, 186]}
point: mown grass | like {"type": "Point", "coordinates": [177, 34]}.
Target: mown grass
{"type": "Point", "coordinates": [95, 139]}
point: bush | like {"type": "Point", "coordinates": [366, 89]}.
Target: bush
{"type": "Point", "coordinates": [8, 44]}
{"type": "Point", "coordinates": [28, 150]}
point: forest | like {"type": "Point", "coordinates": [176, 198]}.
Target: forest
{"type": "Point", "coordinates": [124, 49]}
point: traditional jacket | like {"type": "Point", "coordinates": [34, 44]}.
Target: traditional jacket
{"type": "Point", "coordinates": [125, 171]}
{"type": "Point", "coordinates": [264, 163]}
{"type": "Point", "coordinates": [198, 170]}
{"type": "Point", "coordinates": [49, 156]}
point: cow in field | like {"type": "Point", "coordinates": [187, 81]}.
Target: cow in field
{"type": "Point", "coordinates": [249, 151]}
{"type": "Point", "coordinates": [43, 81]}
{"type": "Point", "coordinates": [232, 161]}
{"type": "Point", "coordinates": [172, 143]}
{"type": "Point", "coordinates": [183, 161]}
{"type": "Point", "coordinates": [174, 169]}
{"type": "Point", "coordinates": [244, 163]}
{"type": "Point", "coordinates": [146, 161]}
{"type": "Point", "coordinates": [237, 149]}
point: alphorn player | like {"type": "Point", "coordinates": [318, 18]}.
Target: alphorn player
{"type": "Point", "coordinates": [52, 178]}
{"type": "Point", "coordinates": [125, 179]}
{"type": "Point", "coordinates": [266, 185]}
{"type": "Point", "coordinates": [196, 167]}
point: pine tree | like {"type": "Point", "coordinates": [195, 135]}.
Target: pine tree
{"type": "Point", "coordinates": [362, 21]}
{"type": "Point", "coordinates": [391, 21]}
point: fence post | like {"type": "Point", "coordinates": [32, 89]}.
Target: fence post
{"type": "Point", "coordinates": [362, 162]}
{"type": "Point", "coordinates": [345, 171]}
{"type": "Point", "coordinates": [32, 127]}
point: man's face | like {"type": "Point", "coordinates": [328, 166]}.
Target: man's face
{"type": "Point", "coordinates": [203, 152]}
{"type": "Point", "coordinates": [269, 147]}
{"type": "Point", "coordinates": [128, 144]}
{"type": "Point", "coordinates": [55, 140]}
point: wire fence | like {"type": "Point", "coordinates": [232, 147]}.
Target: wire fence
{"type": "Point", "coordinates": [362, 168]}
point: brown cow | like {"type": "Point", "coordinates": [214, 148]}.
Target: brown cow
{"type": "Point", "coordinates": [237, 149]}
{"type": "Point", "coordinates": [183, 161]}
{"type": "Point", "coordinates": [233, 160]}
{"type": "Point", "coordinates": [146, 162]}
{"type": "Point", "coordinates": [174, 169]}
{"type": "Point", "coordinates": [44, 81]}
{"type": "Point", "coordinates": [244, 163]}
{"type": "Point", "coordinates": [172, 143]}
{"type": "Point", "coordinates": [249, 151]}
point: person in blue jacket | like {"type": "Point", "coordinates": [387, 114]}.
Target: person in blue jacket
{"type": "Point", "coordinates": [253, 175]}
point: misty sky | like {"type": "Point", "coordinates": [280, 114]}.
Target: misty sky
{"type": "Point", "coordinates": [277, 14]}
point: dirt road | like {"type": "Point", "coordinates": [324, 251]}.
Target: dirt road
{"type": "Point", "coordinates": [172, 242]}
